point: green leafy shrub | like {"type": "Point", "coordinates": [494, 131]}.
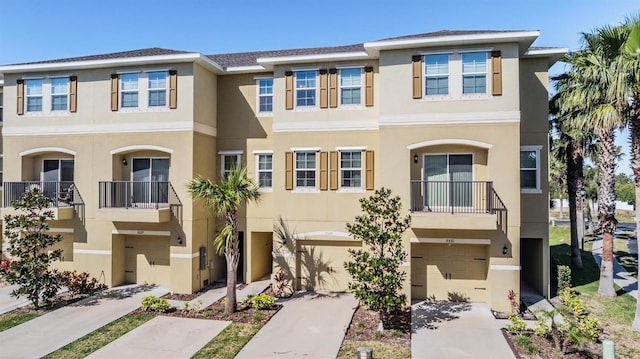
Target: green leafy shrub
{"type": "Point", "coordinates": [151, 303]}
{"type": "Point", "coordinates": [517, 325]}
{"type": "Point", "coordinates": [573, 304]}
{"type": "Point", "coordinates": [258, 317]}
{"type": "Point", "coordinates": [590, 327]}
{"type": "Point", "coordinates": [541, 328]}
{"type": "Point", "coordinates": [564, 278]}
{"type": "Point", "coordinates": [81, 283]}
{"type": "Point", "coordinates": [524, 341]}
{"type": "Point", "coordinates": [261, 301]}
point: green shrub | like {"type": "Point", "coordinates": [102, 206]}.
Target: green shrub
{"type": "Point", "coordinates": [589, 327]}
{"type": "Point", "coordinates": [564, 278]}
{"type": "Point", "coordinates": [261, 301]}
{"type": "Point", "coordinates": [258, 317]}
{"type": "Point", "coordinates": [541, 328]}
{"type": "Point", "coordinates": [151, 303]}
{"type": "Point", "coordinates": [517, 325]}
{"type": "Point", "coordinates": [81, 283]}
{"type": "Point", "coordinates": [573, 304]}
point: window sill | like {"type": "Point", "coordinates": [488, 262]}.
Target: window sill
{"type": "Point", "coordinates": [48, 113]}
{"type": "Point", "coordinates": [265, 189]}
{"type": "Point", "coordinates": [351, 190]}
{"type": "Point", "coordinates": [469, 97]}
{"type": "Point", "coordinates": [306, 108]}
{"type": "Point", "coordinates": [305, 190]}
{"type": "Point", "coordinates": [146, 109]}
{"type": "Point", "coordinates": [530, 191]}
{"type": "Point", "coordinates": [264, 114]}
{"type": "Point", "coordinates": [351, 107]}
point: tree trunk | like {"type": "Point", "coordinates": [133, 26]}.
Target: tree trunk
{"type": "Point", "coordinates": [607, 208]}
{"type": "Point", "coordinates": [634, 133]}
{"type": "Point", "coordinates": [380, 322]}
{"type": "Point", "coordinates": [573, 164]}
{"type": "Point", "coordinates": [230, 305]}
{"type": "Point", "coordinates": [560, 199]}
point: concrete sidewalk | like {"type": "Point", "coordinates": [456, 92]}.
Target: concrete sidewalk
{"type": "Point", "coordinates": [309, 325]}
{"type": "Point", "coordinates": [213, 295]}
{"type": "Point", "coordinates": [60, 327]}
{"type": "Point", "coordinates": [9, 303]}
{"type": "Point", "coordinates": [163, 337]}
{"type": "Point", "coordinates": [456, 330]}
{"type": "Point", "coordinates": [620, 275]}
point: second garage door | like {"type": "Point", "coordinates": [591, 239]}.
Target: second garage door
{"type": "Point", "coordinates": [444, 271]}
{"type": "Point", "coordinates": [321, 264]}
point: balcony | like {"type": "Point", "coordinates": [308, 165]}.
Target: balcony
{"type": "Point", "coordinates": [134, 201]}
{"type": "Point", "coordinates": [64, 199]}
{"type": "Point", "coordinates": [471, 205]}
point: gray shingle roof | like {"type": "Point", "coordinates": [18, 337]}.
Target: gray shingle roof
{"type": "Point", "coordinates": [448, 33]}
{"type": "Point", "coordinates": [249, 58]}
{"type": "Point", "coordinates": [153, 51]}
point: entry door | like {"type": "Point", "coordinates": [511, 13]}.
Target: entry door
{"type": "Point", "coordinates": [150, 180]}
{"type": "Point", "coordinates": [448, 180]}
{"type": "Point", "coordinates": [57, 177]}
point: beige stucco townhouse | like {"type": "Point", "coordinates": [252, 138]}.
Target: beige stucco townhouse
{"type": "Point", "coordinates": [454, 122]}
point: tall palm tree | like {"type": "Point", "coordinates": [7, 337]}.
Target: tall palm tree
{"type": "Point", "coordinates": [597, 88]}
{"type": "Point", "coordinates": [225, 198]}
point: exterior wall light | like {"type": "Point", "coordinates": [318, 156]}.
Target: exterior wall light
{"type": "Point", "coordinates": [179, 240]}
{"type": "Point", "coordinates": [505, 249]}
{"type": "Point", "coordinates": [124, 161]}
{"type": "Point", "coordinates": [415, 158]}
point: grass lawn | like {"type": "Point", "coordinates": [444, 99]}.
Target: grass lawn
{"type": "Point", "coordinates": [100, 337]}
{"type": "Point", "coordinates": [229, 342]}
{"type": "Point", "coordinates": [380, 350]}
{"type": "Point", "coordinates": [615, 314]}
{"type": "Point", "coordinates": [12, 319]}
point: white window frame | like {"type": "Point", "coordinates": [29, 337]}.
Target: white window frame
{"type": "Point", "coordinates": [537, 149]}
{"type": "Point", "coordinates": [313, 188]}
{"type": "Point", "coordinates": [156, 89]}
{"type": "Point", "coordinates": [129, 91]}
{"type": "Point", "coordinates": [46, 96]}
{"type": "Point", "coordinates": [41, 95]}
{"type": "Point", "coordinates": [427, 76]}
{"type": "Point", "coordinates": [259, 171]}
{"type": "Point", "coordinates": [260, 95]}
{"type": "Point", "coordinates": [144, 90]}
{"type": "Point", "coordinates": [223, 158]}
{"type": "Point", "coordinates": [341, 87]}
{"type": "Point", "coordinates": [341, 188]}
{"type": "Point", "coordinates": [485, 73]}
{"type": "Point", "coordinates": [296, 89]}
{"type": "Point", "coordinates": [65, 94]}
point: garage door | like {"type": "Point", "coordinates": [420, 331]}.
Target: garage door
{"type": "Point", "coordinates": [444, 270]}
{"type": "Point", "coordinates": [147, 260]}
{"type": "Point", "coordinates": [321, 265]}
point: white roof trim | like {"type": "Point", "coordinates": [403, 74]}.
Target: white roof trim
{"type": "Point", "coordinates": [545, 52]}
{"type": "Point", "coordinates": [305, 149]}
{"type": "Point", "coordinates": [245, 69]}
{"type": "Point", "coordinates": [351, 148]}
{"type": "Point", "coordinates": [262, 152]}
{"type": "Point", "coordinates": [341, 56]}
{"type": "Point", "coordinates": [140, 147]}
{"type": "Point", "coordinates": [450, 141]}
{"type": "Point", "coordinates": [47, 149]}
{"type": "Point", "coordinates": [230, 152]}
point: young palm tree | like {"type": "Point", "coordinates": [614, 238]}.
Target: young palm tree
{"type": "Point", "coordinates": [225, 198]}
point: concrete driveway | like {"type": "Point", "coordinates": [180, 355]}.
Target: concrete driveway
{"type": "Point", "coordinates": [309, 325]}
{"type": "Point", "coordinates": [456, 330]}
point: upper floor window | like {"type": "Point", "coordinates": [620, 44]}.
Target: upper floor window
{"type": "Point", "coordinates": [305, 169]}
{"type": "Point", "coordinates": [530, 168]}
{"type": "Point", "coordinates": [350, 169]}
{"type": "Point", "coordinates": [474, 72]}
{"type": "Point", "coordinates": [265, 170]}
{"type": "Point", "coordinates": [305, 88]}
{"type": "Point", "coordinates": [129, 90]}
{"type": "Point", "coordinates": [436, 73]}
{"type": "Point", "coordinates": [265, 95]}
{"type": "Point", "coordinates": [59, 93]}
{"type": "Point", "coordinates": [157, 86]}
{"type": "Point", "coordinates": [34, 95]}
{"type": "Point", "coordinates": [351, 86]}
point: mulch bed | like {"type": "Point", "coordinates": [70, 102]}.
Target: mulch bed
{"type": "Point", "coordinates": [547, 349]}
{"type": "Point", "coordinates": [244, 314]}
{"type": "Point", "coordinates": [185, 297]}
{"type": "Point", "coordinates": [364, 327]}
{"type": "Point", "coordinates": [526, 315]}
{"type": "Point", "coordinates": [60, 300]}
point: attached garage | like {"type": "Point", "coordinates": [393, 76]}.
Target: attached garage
{"type": "Point", "coordinates": [441, 270]}
{"type": "Point", "coordinates": [147, 260]}
{"type": "Point", "coordinates": [320, 264]}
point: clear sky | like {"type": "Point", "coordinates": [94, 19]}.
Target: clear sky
{"type": "Point", "coordinates": [32, 30]}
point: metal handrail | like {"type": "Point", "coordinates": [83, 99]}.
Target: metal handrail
{"type": "Point", "coordinates": [137, 194]}
{"type": "Point", "coordinates": [60, 193]}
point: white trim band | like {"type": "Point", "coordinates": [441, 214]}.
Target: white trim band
{"type": "Point", "coordinates": [107, 128]}
{"type": "Point", "coordinates": [451, 118]}
{"type": "Point", "coordinates": [141, 232]}
{"type": "Point", "coordinates": [43, 149]}
{"type": "Point", "coordinates": [231, 152]}
{"type": "Point", "coordinates": [450, 141]}
{"type": "Point", "coordinates": [305, 149]}
{"type": "Point", "coordinates": [504, 267]}
{"type": "Point", "coordinates": [105, 252]}
{"type": "Point", "coordinates": [351, 148]}
{"type": "Point", "coordinates": [451, 240]}
{"type": "Point", "coordinates": [322, 234]}
{"type": "Point", "coordinates": [60, 230]}
{"type": "Point", "coordinates": [184, 255]}
{"type": "Point", "coordinates": [139, 148]}
{"type": "Point", "coordinates": [262, 152]}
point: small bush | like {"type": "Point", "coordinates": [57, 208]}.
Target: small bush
{"type": "Point", "coordinates": [517, 325]}
{"type": "Point", "coordinates": [457, 297]}
{"type": "Point", "coordinates": [261, 301]}
{"type": "Point", "coordinates": [564, 278]}
{"type": "Point", "coordinates": [258, 317]}
{"type": "Point", "coordinates": [589, 327]}
{"type": "Point", "coordinates": [541, 328]}
{"type": "Point", "coordinates": [151, 303]}
{"type": "Point", "coordinates": [522, 341]}
{"type": "Point", "coordinates": [81, 283]}
{"type": "Point", "coordinates": [573, 304]}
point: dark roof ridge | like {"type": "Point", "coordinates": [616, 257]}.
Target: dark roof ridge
{"type": "Point", "coordinates": [151, 51]}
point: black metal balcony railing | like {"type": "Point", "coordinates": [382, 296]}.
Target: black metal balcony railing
{"type": "Point", "coordinates": [134, 194]}
{"type": "Point", "coordinates": [458, 197]}
{"type": "Point", "coordinates": [60, 193]}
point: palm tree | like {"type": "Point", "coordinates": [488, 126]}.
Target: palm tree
{"type": "Point", "coordinates": [558, 174]}
{"type": "Point", "coordinates": [597, 91]}
{"type": "Point", "coordinates": [225, 198]}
